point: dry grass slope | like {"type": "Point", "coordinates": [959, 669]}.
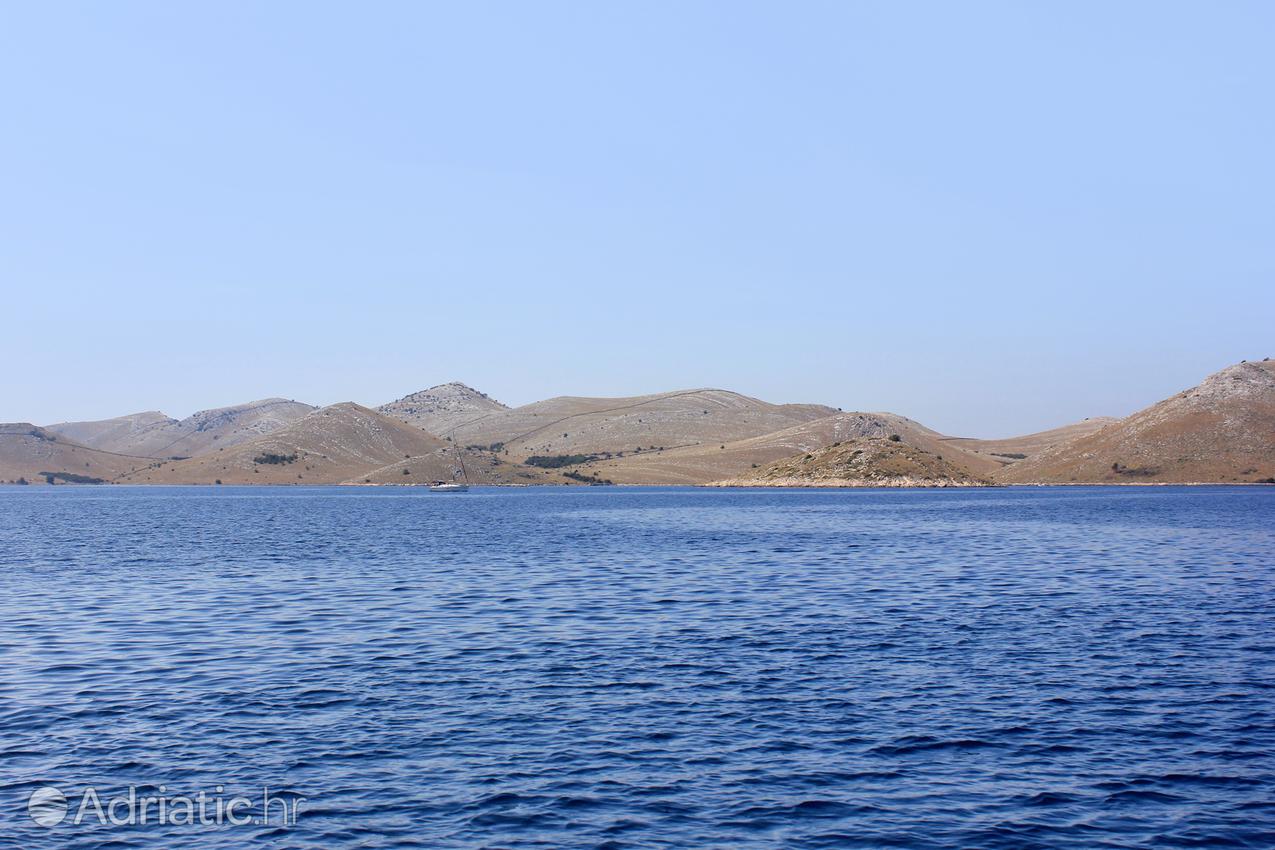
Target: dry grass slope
{"type": "Point", "coordinates": [991, 455]}
{"type": "Point", "coordinates": [571, 425]}
{"type": "Point", "coordinates": [700, 464]}
{"type": "Point", "coordinates": [860, 462]}
{"type": "Point", "coordinates": [28, 451]}
{"type": "Point", "coordinates": [152, 434]}
{"type": "Point", "coordinates": [1221, 431]}
{"type": "Point", "coordinates": [335, 444]}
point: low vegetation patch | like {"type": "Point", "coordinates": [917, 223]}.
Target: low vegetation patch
{"type": "Point", "coordinates": [1010, 455]}
{"type": "Point", "coordinates": [556, 461]}
{"type": "Point", "coordinates": [1134, 471]}
{"type": "Point", "coordinates": [272, 458]}
{"type": "Point", "coordinates": [70, 478]}
{"type": "Point", "coordinates": [586, 479]}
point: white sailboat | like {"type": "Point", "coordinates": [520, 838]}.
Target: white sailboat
{"type": "Point", "coordinates": [453, 486]}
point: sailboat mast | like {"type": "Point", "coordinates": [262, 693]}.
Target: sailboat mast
{"type": "Point", "coordinates": [460, 458]}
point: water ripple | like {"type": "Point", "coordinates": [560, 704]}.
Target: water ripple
{"type": "Point", "coordinates": [1036, 668]}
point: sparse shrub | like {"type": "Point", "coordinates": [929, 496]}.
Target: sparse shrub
{"type": "Point", "coordinates": [1121, 469]}
{"type": "Point", "coordinates": [407, 472]}
{"type": "Point", "coordinates": [592, 480]}
{"type": "Point", "coordinates": [274, 458]}
{"type": "Point", "coordinates": [555, 461]}
{"type": "Point", "coordinates": [894, 438]}
{"type": "Point", "coordinates": [71, 478]}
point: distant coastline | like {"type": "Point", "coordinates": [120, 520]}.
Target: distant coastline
{"type": "Point", "coordinates": [1219, 432]}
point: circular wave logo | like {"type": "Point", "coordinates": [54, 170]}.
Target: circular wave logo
{"type": "Point", "coordinates": [47, 806]}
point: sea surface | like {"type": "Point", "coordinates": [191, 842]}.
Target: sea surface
{"type": "Point", "coordinates": [640, 668]}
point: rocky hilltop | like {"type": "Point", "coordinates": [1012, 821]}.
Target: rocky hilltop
{"type": "Point", "coordinates": [441, 409]}
{"type": "Point", "coordinates": [1220, 431]}
{"type": "Point", "coordinates": [331, 445]}
{"type": "Point", "coordinates": [152, 434]}
{"type": "Point", "coordinates": [860, 462]}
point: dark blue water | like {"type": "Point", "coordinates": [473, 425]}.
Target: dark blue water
{"type": "Point", "coordinates": [602, 667]}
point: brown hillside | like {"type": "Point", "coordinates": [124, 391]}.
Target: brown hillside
{"type": "Point", "coordinates": [571, 425]}
{"type": "Point", "coordinates": [441, 409]}
{"type": "Point", "coordinates": [28, 452]}
{"type": "Point", "coordinates": [1014, 449]}
{"type": "Point", "coordinates": [1221, 431]}
{"type": "Point", "coordinates": [332, 445]}
{"type": "Point", "coordinates": [153, 434]}
{"type": "Point", "coordinates": [860, 462]}
{"type": "Point", "coordinates": [700, 464]}
{"type": "Point", "coordinates": [123, 432]}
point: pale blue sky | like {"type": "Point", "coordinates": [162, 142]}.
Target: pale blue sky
{"type": "Point", "coordinates": [991, 217]}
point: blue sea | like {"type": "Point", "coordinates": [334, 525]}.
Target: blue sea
{"type": "Point", "coordinates": [639, 668]}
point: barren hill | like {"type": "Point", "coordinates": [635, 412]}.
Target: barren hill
{"type": "Point", "coordinates": [1220, 431]}
{"type": "Point", "coordinates": [714, 461]}
{"type": "Point", "coordinates": [860, 462]}
{"type": "Point", "coordinates": [575, 425]}
{"type": "Point", "coordinates": [440, 409]}
{"type": "Point", "coordinates": [152, 434]}
{"type": "Point", "coordinates": [335, 444]}
{"type": "Point", "coordinates": [992, 453]}
{"type": "Point", "coordinates": [29, 452]}
{"type": "Point", "coordinates": [122, 432]}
